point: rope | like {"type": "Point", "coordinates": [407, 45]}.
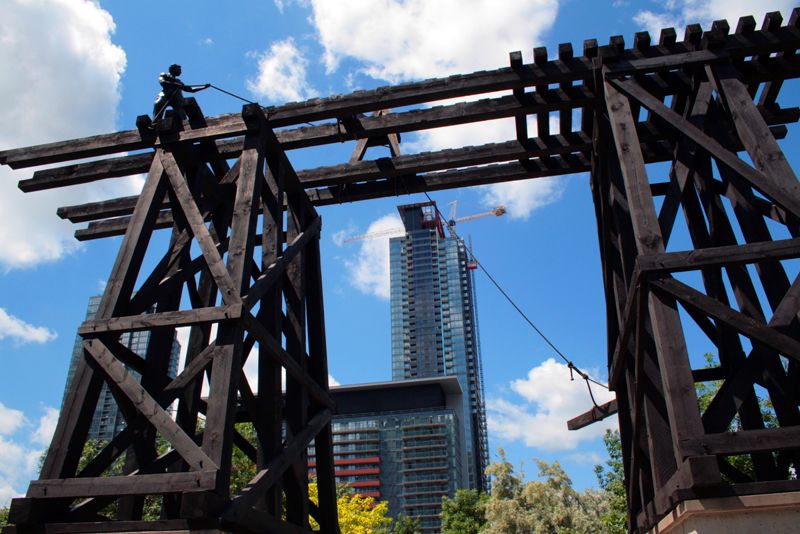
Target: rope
{"type": "Point", "coordinates": [572, 367]}
{"type": "Point", "coordinates": [221, 90]}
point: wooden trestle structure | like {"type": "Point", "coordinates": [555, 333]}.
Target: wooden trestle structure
{"type": "Point", "coordinates": [659, 128]}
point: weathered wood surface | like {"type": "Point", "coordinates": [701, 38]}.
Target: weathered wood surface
{"type": "Point", "coordinates": [537, 74]}
{"type": "Point", "coordinates": [597, 413]}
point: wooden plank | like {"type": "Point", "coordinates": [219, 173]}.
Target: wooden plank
{"type": "Point", "coordinates": [318, 369]}
{"type": "Point", "coordinates": [679, 392]}
{"type": "Point", "coordinates": [789, 199]}
{"type": "Point", "coordinates": [283, 358]}
{"type": "Point", "coordinates": [597, 413]}
{"type": "Point", "coordinates": [314, 110]}
{"type": "Point", "coordinates": [746, 325]}
{"type": "Point", "coordinates": [401, 168]}
{"type": "Point", "coordinates": [753, 131]}
{"type": "Point", "coordinates": [274, 271]}
{"type": "Point", "coordinates": [194, 218]}
{"type": "Point", "coordinates": [148, 407]}
{"type": "Point", "coordinates": [747, 441]}
{"type": "Point", "coordinates": [160, 483]}
{"type": "Point", "coordinates": [366, 127]}
{"type": "Point", "coordinates": [403, 95]}
{"type": "Point", "coordinates": [691, 260]}
{"type": "Point", "coordinates": [149, 321]}
{"type": "Point", "coordinates": [270, 378]}
{"type": "Point", "coordinates": [265, 478]}
{"type": "Point", "coordinates": [379, 169]}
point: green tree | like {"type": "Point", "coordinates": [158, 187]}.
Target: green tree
{"type": "Point", "coordinates": [404, 524]}
{"type": "Point", "coordinates": [357, 514]}
{"type": "Point", "coordinates": [612, 480]}
{"type": "Point", "coordinates": [706, 391]}
{"type": "Point", "coordinates": [464, 513]}
{"type": "Point", "coordinates": [4, 516]}
{"type": "Point", "coordinates": [547, 506]}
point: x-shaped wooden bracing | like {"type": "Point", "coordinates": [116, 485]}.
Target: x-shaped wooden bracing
{"type": "Point", "coordinates": [650, 361]}
{"type": "Point", "coordinates": [249, 311]}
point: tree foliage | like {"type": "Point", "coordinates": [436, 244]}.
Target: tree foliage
{"type": "Point", "coordinates": [612, 480]}
{"type": "Point", "coordinates": [4, 516]}
{"type": "Point", "coordinates": [547, 506]}
{"type": "Point", "coordinates": [464, 513]}
{"type": "Point", "coordinates": [404, 524]}
{"type": "Point", "coordinates": [357, 514]}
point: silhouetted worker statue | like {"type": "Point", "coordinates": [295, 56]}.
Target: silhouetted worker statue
{"type": "Point", "coordinates": [172, 93]}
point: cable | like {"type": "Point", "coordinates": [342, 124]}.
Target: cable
{"type": "Point", "coordinates": [572, 367]}
{"type": "Point", "coordinates": [221, 90]}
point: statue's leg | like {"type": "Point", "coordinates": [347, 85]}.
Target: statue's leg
{"type": "Point", "coordinates": [159, 108]}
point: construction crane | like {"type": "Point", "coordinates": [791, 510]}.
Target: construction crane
{"type": "Point", "coordinates": [497, 211]}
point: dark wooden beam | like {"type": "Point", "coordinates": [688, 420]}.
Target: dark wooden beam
{"type": "Point", "coordinates": [597, 413]}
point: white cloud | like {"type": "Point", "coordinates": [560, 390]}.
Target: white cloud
{"type": "Point", "coordinates": [60, 80]}
{"type": "Point", "coordinates": [282, 74]}
{"type": "Point", "coordinates": [47, 426]}
{"type": "Point", "coordinates": [22, 332]}
{"type": "Point", "coordinates": [6, 494]}
{"type": "Point", "coordinates": [399, 40]}
{"type": "Point", "coordinates": [369, 271]}
{"type": "Point", "coordinates": [522, 198]}
{"type": "Point", "coordinates": [551, 399]}
{"type": "Point", "coordinates": [10, 420]}
{"type": "Point", "coordinates": [17, 468]}
{"type": "Point", "coordinates": [19, 462]}
{"type": "Point", "coordinates": [332, 381]}
{"type": "Point", "coordinates": [679, 13]}
{"type": "Point", "coordinates": [591, 458]}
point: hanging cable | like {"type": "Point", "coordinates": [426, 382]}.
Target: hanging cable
{"type": "Point", "coordinates": [572, 367]}
{"type": "Point", "coordinates": [221, 90]}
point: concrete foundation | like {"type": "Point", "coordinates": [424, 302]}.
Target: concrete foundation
{"type": "Point", "coordinates": [776, 513]}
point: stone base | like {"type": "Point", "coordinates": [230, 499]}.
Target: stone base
{"type": "Point", "coordinates": [774, 513]}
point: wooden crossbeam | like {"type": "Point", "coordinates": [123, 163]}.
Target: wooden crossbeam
{"type": "Point", "coordinates": [544, 73]}
{"type": "Point", "coordinates": [785, 195]}
{"type": "Point", "coordinates": [242, 504]}
{"type": "Point", "coordinates": [114, 486]}
{"type": "Point", "coordinates": [286, 361]}
{"type": "Point", "coordinates": [597, 413]}
{"type": "Point", "coordinates": [148, 406]}
{"type": "Point", "coordinates": [760, 332]}
{"type": "Point", "coordinates": [691, 260]}
{"type": "Point", "coordinates": [148, 321]}
{"type": "Point", "coordinates": [274, 271]}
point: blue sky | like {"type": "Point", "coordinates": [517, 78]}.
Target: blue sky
{"type": "Point", "coordinates": [75, 67]}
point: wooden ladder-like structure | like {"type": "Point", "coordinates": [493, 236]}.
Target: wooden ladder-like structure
{"type": "Point", "coordinates": [237, 308]}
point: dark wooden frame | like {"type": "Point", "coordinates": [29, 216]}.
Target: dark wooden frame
{"type": "Point", "coordinates": [693, 104]}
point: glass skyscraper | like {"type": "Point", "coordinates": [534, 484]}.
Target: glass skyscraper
{"type": "Point", "coordinates": [433, 320]}
{"type": "Point", "coordinates": [107, 421]}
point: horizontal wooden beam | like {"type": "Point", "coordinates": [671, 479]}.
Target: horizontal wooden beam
{"type": "Point", "coordinates": [691, 260]}
{"type": "Point", "coordinates": [755, 330]}
{"type": "Point", "coordinates": [746, 441]}
{"type": "Point", "coordinates": [361, 127]}
{"type": "Point", "coordinates": [148, 321]}
{"type": "Point", "coordinates": [382, 168]}
{"type": "Point", "coordinates": [597, 413]}
{"type": "Point", "coordinates": [161, 483]}
{"type": "Point", "coordinates": [557, 71]}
